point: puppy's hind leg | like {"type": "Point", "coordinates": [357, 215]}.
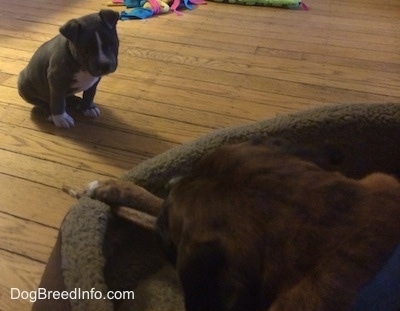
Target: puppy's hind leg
{"type": "Point", "coordinates": [27, 93]}
{"type": "Point", "coordinates": [37, 103]}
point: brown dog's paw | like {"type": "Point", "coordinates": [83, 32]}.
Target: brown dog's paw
{"type": "Point", "coordinates": [91, 187]}
{"type": "Point", "coordinates": [108, 191]}
{"type": "Point", "coordinates": [117, 192]}
{"type": "Point", "coordinates": [94, 190]}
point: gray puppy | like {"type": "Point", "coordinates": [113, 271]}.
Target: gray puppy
{"type": "Point", "coordinates": [72, 62]}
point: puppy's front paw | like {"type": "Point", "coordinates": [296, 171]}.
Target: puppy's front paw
{"type": "Point", "coordinates": [92, 112]}
{"type": "Point", "coordinates": [62, 120]}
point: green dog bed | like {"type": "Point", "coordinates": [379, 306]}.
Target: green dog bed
{"type": "Point", "coordinates": [96, 250]}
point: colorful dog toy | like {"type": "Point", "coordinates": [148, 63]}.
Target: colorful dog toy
{"type": "Point", "coordinates": [145, 8]}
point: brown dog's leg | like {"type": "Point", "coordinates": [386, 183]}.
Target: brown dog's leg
{"type": "Point", "coordinates": [120, 193]}
{"type": "Point", "coordinates": [127, 200]}
{"type": "Point", "coordinates": [124, 193]}
{"type": "Point", "coordinates": [141, 219]}
{"type": "Point", "coordinates": [334, 283]}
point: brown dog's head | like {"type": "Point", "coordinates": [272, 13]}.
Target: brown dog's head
{"type": "Point", "coordinates": [213, 269]}
{"type": "Point", "coordinates": [207, 251]}
{"type": "Point", "coordinates": [213, 223]}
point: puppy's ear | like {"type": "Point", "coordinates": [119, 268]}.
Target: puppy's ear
{"type": "Point", "coordinates": [70, 30]}
{"type": "Point", "coordinates": [109, 17]}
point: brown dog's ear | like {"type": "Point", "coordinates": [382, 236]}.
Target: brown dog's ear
{"type": "Point", "coordinates": [162, 229]}
{"type": "Point", "coordinates": [211, 281]}
{"type": "Point", "coordinates": [200, 268]}
{"type": "Point", "coordinates": [109, 17]}
{"type": "Point", "coordinates": [70, 30]}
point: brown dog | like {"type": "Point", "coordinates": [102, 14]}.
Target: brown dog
{"type": "Point", "coordinates": [256, 227]}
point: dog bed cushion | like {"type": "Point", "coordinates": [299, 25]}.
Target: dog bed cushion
{"type": "Point", "coordinates": [96, 250]}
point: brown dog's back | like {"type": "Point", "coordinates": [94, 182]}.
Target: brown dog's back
{"type": "Point", "coordinates": [255, 228]}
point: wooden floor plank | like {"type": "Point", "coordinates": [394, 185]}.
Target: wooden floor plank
{"type": "Point", "coordinates": [48, 173]}
{"type": "Point", "coordinates": [20, 273]}
{"type": "Point", "coordinates": [39, 203]}
{"type": "Point", "coordinates": [26, 238]}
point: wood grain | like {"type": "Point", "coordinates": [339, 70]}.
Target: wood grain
{"type": "Point", "coordinates": [178, 78]}
{"type": "Point", "coordinates": [17, 272]}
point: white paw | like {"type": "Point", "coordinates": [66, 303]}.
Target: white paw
{"type": "Point", "coordinates": [91, 187]}
{"type": "Point", "coordinates": [62, 120]}
{"type": "Point", "coordinates": [93, 112]}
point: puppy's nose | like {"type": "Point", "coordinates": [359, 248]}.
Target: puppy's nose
{"type": "Point", "coordinates": [107, 67]}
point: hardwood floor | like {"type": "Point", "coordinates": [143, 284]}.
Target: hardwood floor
{"type": "Point", "coordinates": [179, 77]}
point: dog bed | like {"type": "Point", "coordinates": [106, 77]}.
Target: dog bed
{"type": "Point", "coordinates": [96, 251]}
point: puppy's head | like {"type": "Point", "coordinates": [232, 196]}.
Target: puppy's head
{"type": "Point", "coordinates": [94, 41]}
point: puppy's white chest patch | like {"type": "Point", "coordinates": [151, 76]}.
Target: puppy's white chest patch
{"type": "Point", "coordinates": [83, 80]}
